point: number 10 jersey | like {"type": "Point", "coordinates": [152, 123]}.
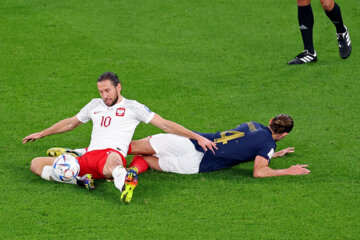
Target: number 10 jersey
{"type": "Point", "coordinates": [113, 127]}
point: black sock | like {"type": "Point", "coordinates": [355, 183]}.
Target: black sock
{"type": "Point", "coordinates": [306, 23]}
{"type": "Point", "coordinates": [335, 17]}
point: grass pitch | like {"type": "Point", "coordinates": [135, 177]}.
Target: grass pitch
{"type": "Point", "coordinates": [208, 65]}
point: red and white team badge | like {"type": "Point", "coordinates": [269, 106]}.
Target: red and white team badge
{"type": "Point", "coordinates": [120, 112]}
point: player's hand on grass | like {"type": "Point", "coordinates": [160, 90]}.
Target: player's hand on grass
{"type": "Point", "coordinates": [284, 152]}
{"type": "Point", "coordinates": [298, 170]}
{"type": "Point", "coordinates": [32, 137]}
{"type": "Point", "coordinates": [206, 144]}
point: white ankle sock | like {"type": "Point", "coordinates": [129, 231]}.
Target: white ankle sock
{"type": "Point", "coordinates": [119, 174]}
{"type": "Point", "coordinates": [80, 151]}
{"type": "Point", "coordinates": [48, 174]}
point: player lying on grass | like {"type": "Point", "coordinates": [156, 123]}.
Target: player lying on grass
{"type": "Point", "coordinates": [114, 121]}
{"type": "Point", "coordinates": [249, 141]}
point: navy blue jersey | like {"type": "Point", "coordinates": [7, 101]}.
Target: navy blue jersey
{"type": "Point", "coordinates": [241, 144]}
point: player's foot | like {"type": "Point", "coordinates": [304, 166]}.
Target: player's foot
{"type": "Point", "coordinates": [344, 44]}
{"type": "Point", "coordinates": [86, 181]}
{"type": "Point", "coordinates": [130, 183]}
{"type": "Point", "coordinates": [304, 57]}
{"type": "Point", "coordinates": [57, 151]}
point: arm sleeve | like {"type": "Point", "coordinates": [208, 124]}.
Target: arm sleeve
{"type": "Point", "coordinates": [143, 113]}
{"type": "Point", "coordinates": [85, 113]}
{"type": "Point", "coordinates": [267, 151]}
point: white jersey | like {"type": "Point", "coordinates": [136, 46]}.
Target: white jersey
{"type": "Point", "coordinates": [113, 127]}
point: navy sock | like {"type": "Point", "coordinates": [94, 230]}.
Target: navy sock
{"type": "Point", "coordinates": [335, 16]}
{"type": "Point", "coordinates": [306, 23]}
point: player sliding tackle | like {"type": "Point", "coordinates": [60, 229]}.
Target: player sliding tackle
{"type": "Point", "coordinates": [114, 121]}
{"type": "Point", "coordinates": [249, 141]}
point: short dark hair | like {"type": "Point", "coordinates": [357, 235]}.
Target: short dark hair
{"type": "Point", "coordinates": [109, 76]}
{"type": "Point", "coordinates": [282, 123]}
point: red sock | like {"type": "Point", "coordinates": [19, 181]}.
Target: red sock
{"type": "Point", "coordinates": [140, 163]}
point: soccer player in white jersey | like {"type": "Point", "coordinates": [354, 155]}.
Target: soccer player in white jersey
{"type": "Point", "coordinates": [114, 121]}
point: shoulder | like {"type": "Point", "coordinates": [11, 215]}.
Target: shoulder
{"type": "Point", "coordinates": [130, 102]}
{"type": "Point", "coordinates": [135, 105]}
{"type": "Point", "coordinates": [264, 130]}
{"type": "Point", "coordinates": [264, 135]}
{"type": "Point", "coordinates": [96, 102]}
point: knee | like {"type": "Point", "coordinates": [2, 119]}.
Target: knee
{"type": "Point", "coordinates": [302, 3]}
{"type": "Point", "coordinates": [35, 166]}
{"type": "Point", "coordinates": [327, 5]}
{"type": "Point", "coordinates": [112, 162]}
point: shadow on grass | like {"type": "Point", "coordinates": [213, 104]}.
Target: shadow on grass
{"type": "Point", "coordinates": [153, 186]}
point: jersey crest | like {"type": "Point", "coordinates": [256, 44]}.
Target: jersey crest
{"type": "Point", "coordinates": [120, 112]}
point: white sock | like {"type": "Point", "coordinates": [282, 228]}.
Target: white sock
{"type": "Point", "coordinates": [119, 174]}
{"type": "Point", "coordinates": [80, 151]}
{"type": "Point", "coordinates": [48, 174]}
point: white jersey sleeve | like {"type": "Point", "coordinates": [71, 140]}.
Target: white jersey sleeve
{"type": "Point", "coordinates": [142, 112]}
{"type": "Point", "coordinates": [85, 113]}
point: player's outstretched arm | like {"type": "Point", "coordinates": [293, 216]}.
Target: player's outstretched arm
{"type": "Point", "coordinates": [172, 127]}
{"type": "Point", "coordinates": [59, 127]}
{"type": "Point", "coordinates": [262, 169]}
{"type": "Point", "coordinates": [284, 152]}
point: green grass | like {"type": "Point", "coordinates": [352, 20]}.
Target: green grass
{"type": "Point", "coordinates": [208, 65]}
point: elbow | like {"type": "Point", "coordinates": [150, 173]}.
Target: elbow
{"type": "Point", "coordinates": [71, 124]}
{"type": "Point", "coordinates": [257, 173]}
{"type": "Point", "coordinates": [261, 167]}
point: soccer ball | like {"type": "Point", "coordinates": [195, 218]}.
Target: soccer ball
{"type": "Point", "coordinates": [66, 167]}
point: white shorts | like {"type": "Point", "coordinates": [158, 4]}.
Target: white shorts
{"type": "Point", "coordinates": [176, 154]}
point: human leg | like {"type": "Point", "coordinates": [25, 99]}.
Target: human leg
{"type": "Point", "coordinates": [143, 151]}
{"type": "Point", "coordinates": [174, 154]}
{"type": "Point", "coordinates": [153, 162]}
{"type": "Point", "coordinates": [327, 5]}
{"type": "Point", "coordinates": [170, 153]}
{"type": "Point", "coordinates": [141, 163]}
{"type": "Point", "coordinates": [333, 12]}
{"type": "Point", "coordinates": [142, 147]}
{"type": "Point", "coordinates": [43, 167]}
{"type": "Point", "coordinates": [306, 23]}
{"type": "Point", "coordinates": [114, 168]}
{"type": "Point", "coordinates": [137, 147]}
{"type": "Point", "coordinates": [37, 165]}
{"type": "Point", "coordinates": [124, 181]}
{"type": "Point", "coordinates": [57, 151]}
